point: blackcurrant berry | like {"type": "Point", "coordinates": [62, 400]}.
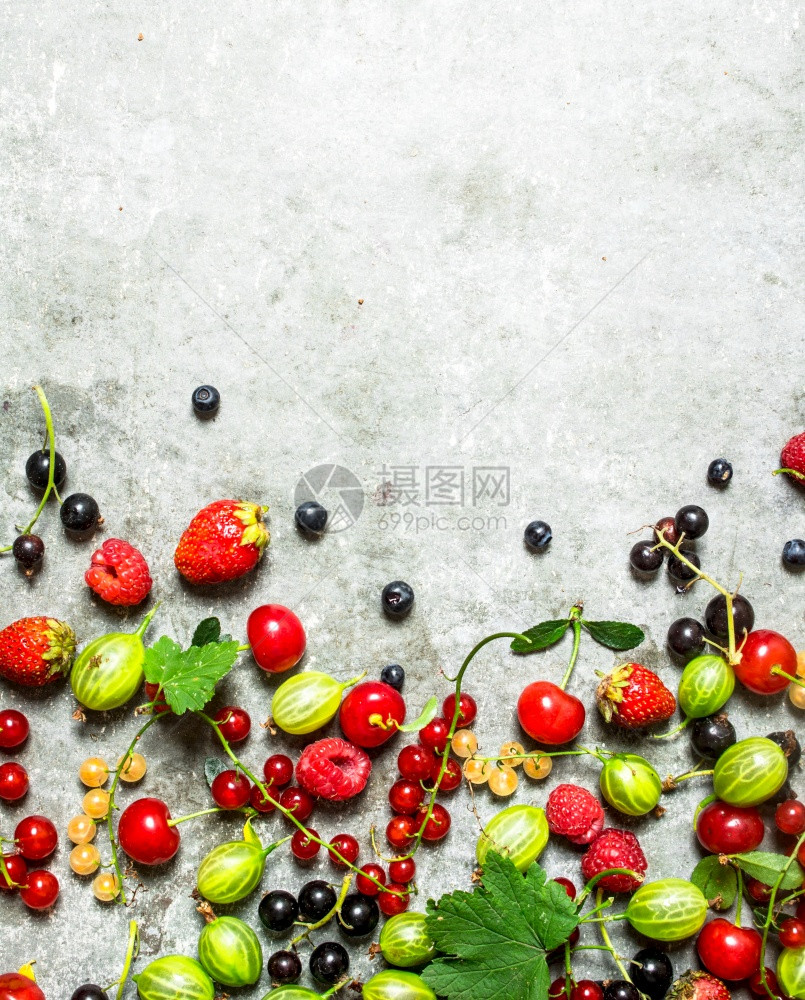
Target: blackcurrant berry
{"type": "Point", "coordinates": [329, 962]}
{"type": "Point", "coordinates": [397, 599]}
{"type": "Point", "coordinates": [719, 473]}
{"type": "Point", "coordinates": [80, 513]}
{"type": "Point", "coordinates": [678, 570]}
{"type": "Point", "coordinates": [620, 989]}
{"type": "Point", "coordinates": [311, 517]}
{"type": "Point", "coordinates": [712, 735]}
{"type": "Point", "coordinates": [316, 900]}
{"type": "Point", "coordinates": [691, 520]}
{"type": "Point", "coordinates": [278, 910]}
{"type": "Point", "coordinates": [537, 536]}
{"type": "Point", "coordinates": [206, 399]}
{"type": "Point", "coordinates": [90, 992]}
{"type": "Point", "coordinates": [645, 558]}
{"type": "Point", "coordinates": [686, 638]}
{"type": "Point", "coordinates": [359, 915]}
{"type": "Point", "coordinates": [794, 553]}
{"type": "Point", "coordinates": [784, 794]}
{"type": "Point", "coordinates": [28, 550]}
{"type": "Point", "coordinates": [393, 675]}
{"type": "Point", "coordinates": [652, 972]}
{"type": "Point", "coordinates": [789, 744]}
{"type": "Point", "coordinates": [715, 616]}
{"type": "Point", "coordinates": [37, 469]}
{"type": "Point", "coordinates": [284, 967]}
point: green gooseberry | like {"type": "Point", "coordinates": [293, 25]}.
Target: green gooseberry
{"type": "Point", "coordinates": [630, 784]}
{"type": "Point", "coordinates": [670, 909]}
{"type": "Point", "coordinates": [232, 870]}
{"type": "Point", "coordinates": [230, 952]}
{"type": "Point", "coordinates": [306, 702]}
{"type": "Point", "coordinates": [405, 941]}
{"type": "Point", "coordinates": [706, 685]}
{"type": "Point", "coordinates": [394, 985]}
{"type": "Point", "coordinates": [174, 976]}
{"type": "Point", "coordinates": [791, 972]}
{"type": "Point", "coordinates": [750, 772]}
{"type": "Point", "coordinates": [520, 833]}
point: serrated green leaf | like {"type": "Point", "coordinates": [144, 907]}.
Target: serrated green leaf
{"type": "Point", "coordinates": [213, 766]}
{"type": "Point", "coordinates": [766, 868]}
{"type": "Point", "coordinates": [541, 636]}
{"type": "Point", "coordinates": [428, 714]}
{"type": "Point", "coordinates": [495, 939]}
{"type": "Point", "coordinates": [208, 630]}
{"type": "Point", "coordinates": [615, 635]}
{"type": "Point", "coordinates": [718, 882]}
{"type": "Point", "coordinates": [188, 677]}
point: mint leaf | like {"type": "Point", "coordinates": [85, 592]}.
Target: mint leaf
{"type": "Point", "coordinates": [615, 635]}
{"type": "Point", "coordinates": [718, 882]}
{"type": "Point", "coordinates": [188, 677]}
{"type": "Point", "coordinates": [495, 939]}
{"type": "Point", "coordinates": [208, 630]}
{"type": "Point", "coordinates": [766, 868]}
{"type": "Point", "coordinates": [542, 636]}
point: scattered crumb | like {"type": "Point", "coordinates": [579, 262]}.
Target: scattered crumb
{"type": "Point", "coordinates": [140, 37]}
{"type": "Point", "coordinates": [603, 258]}
{"type": "Point", "coordinates": [360, 302]}
{"type": "Point", "coordinates": [726, 73]}
{"type": "Point", "coordinates": [120, 208]}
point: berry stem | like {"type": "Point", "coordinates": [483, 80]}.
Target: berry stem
{"type": "Point", "coordinates": [599, 895]}
{"type": "Point", "coordinates": [147, 621]}
{"type": "Point", "coordinates": [671, 782]}
{"type": "Point", "coordinates": [131, 952]}
{"type": "Point", "coordinates": [770, 915]}
{"type": "Point", "coordinates": [739, 896]}
{"type": "Point", "coordinates": [537, 754]}
{"type": "Point", "coordinates": [342, 895]}
{"type": "Point", "coordinates": [789, 677]}
{"type": "Point", "coordinates": [575, 616]}
{"type": "Point", "coordinates": [585, 892]}
{"type": "Point", "coordinates": [203, 812]}
{"type": "Point", "coordinates": [6, 876]}
{"type": "Point", "coordinates": [797, 475]}
{"type": "Point", "coordinates": [568, 971]}
{"type": "Point", "coordinates": [671, 732]}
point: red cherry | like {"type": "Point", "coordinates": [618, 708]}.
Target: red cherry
{"type": "Point", "coordinates": [467, 710]}
{"type": "Point", "coordinates": [278, 770]}
{"type": "Point", "coordinates": [451, 778]}
{"type": "Point", "coordinates": [36, 837]}
{"type": "Point", "coordinates": [17, 871]}
{"type": "Point", "coordinates": [567, 885]}
{"type": "Point", "coordinates": [347, 846]}
{"type": "Point", "coordinates": [438, 826]}
{"type": "Point", "coordinates": [789, 817]}
{"type": "Point", "coordinates": [297, 801]}
{"type": "Point", "coordinates": [729, 952]}
{"type": "Point", "coordinates": [402, 871]}
{"type": "Point", "coordinates": [755, 984]}
{"type": "Point", "coordinates": [725, 829]}
{"type": "Point", "coordinates": [154, 694]}
{"type": "Point", "coordinates": [550, 715]}
{"type": "Point", "coordinates": [14, 729]}
{"type": "Point", "coordinates": [557, 989]}
{"type": "Point", "coordinates": [364, 886]}
{"type": "Point", "coordinates": [370, 714]}
{"type": "Point", "coordinates": [302, 847]}
{"type": "Point", "coordinates": [415, 762]}
{"type": "Point", "coordinates": [435, 735]}
{"type": "Point", "coordinates": [231, 790]}
{"type": "Point", "coordinates": [256, 801]}
{"type": "Point", "coordinates": [401, 831]}
{"type": "Point", "coordinates": [762, 652]}
{"type": "Point", "coordinates": [234, 723]}
{"type": "Point", "coordinates": [15, 986]}
{"type": "Point", "coordinates": [406, 796]}
{"type": "Point", "coordinates": [586, 989]}
{"type": "Point", "coordinates": [13, 781]}
{"type": "Point", "coordinates": [277, 638]}
{"type": "Point", "coordinates": [757, 891]}
{"type": "Point", "coordinates": [145, 833]}
{"type": "Point", "coordinates": [792, 933]}
{"type": "Point", "coordinates": [40, 891]}
{"type": "Point", "coordinates": [392, 904]}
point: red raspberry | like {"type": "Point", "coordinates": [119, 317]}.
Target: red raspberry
{"type": "Point", "coordinates": [119, 574]}
{"type": "Point", "coordinates": [575, 813]}
{"type": "Point", "coordinates": [615, 849]}
{"type": "Point", "coordinates": [333, 769]}
{"type": "Point", "coordinates": [793, 457]}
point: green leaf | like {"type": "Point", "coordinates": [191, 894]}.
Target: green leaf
{"type": "Point", "coordinates": [428, 714]}
{"type": "Point", "coordinates": [766, 868]}
{"type": "Point", "coordinates": [615, 635]}
{"type": "Point", "coordinates": [250, 836]}
{"type": "Point", "coordinates": [718, 882]}
{"type": "Point", "coordinates": [213, 766]}
{"type": "Point", "coordinates": [542, 636]}
{"type": "Point", "coordinates": [208, 630]}
{"type": "Point", "coordinates": [495, 939]}
{"type": "Point", "coordinates": [188, 677]}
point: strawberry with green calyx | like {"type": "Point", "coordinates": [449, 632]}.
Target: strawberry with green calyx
{"type": "Point", "coordinates": [792, 459]}
{"type": "Point", "coordinates": [634, 696]}
{"type": "Point", "coordinates": [698, 986]}
{"type": "Point", "coordinates": [36, 651]}
{"type": "Point", "coordinates": [223, 541]}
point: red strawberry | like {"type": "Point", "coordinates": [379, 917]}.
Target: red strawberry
{"type": "Point", "coordinates": [575, 813]}
{"type": "Point", "coordinates": [792, 457]}
{"type": "Point", "coordinates": [615, 849]}
{"type": "Point", "coordinates": [634, 696]}
{"type": "Point", "coordinates": [118, 573]}
{"type": "Point", "coordinates": [333, 769]}
{"type": "Point", "coordinates": [224, 541]}
{"type": "Point", "coordinates": [36, 651]}
{"type": "Point", "coordinates": [698, 986]}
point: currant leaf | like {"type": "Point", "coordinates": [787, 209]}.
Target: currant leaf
{"type": "Point", "coordinates": [188, 677]}
{"type": "Point", "coordinates": [718, 883]}
{"type": "Point", "coordinates": [615, 635]}
{"type": "Point", "coordinates": [207, 630]}
{"type": "Point", "coordinates": [766, 868]}
{"type": "Point", "coordinates": [541, 636]}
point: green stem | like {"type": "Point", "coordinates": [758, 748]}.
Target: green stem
{"type": "Point", "coordinates": [309, 928]}
{"type": "Point", "coordinates": [739, 896]}
{"type": "Point", "coordinates": [195, 815]}
{"type": "Point", "coordinates": [599, 895]}
{"type": "Point", "coordinates": [147, 620]}
{"type": "Point", "coordinates": [568, 971]}
{"type": "Point", "coordinates": [4, 873]}
{"type": "Point", "coordinates": [690, 774]}
{"type": "Point", "coordinates": [672, 732]}
{"type": "Point", "coordinates": [585, 892]}
{"type": "Point", "coordinates": [575, 614]}
{"type": "Point", "coordinates": [770, 915]}
{"type": "Point", "coordinates": [131, 950]}
{"type": "Point", "coordinates": [581, 752]}
{"type": "Point", "coordinates": [789, 677]}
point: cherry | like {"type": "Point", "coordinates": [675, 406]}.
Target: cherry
{"type": "Point", "coordinates": [145, 832]}
{"type": "Point", "coordinates": [277, 638]}
{"type": "Point", "coordinates": [729, 952]}
{"type": "Point", "coordinates": [586, 989]}
{"type": "Point", "coordinates": [567, 885]}
{"type": "Point", "coordinates": [40, 890]}
{"type": "Point", "coordinates": [278, 770]}
{"type": "Point", "coordinates": [364, 885]}
{"type": "Point", "coordinates": [550, 715]}
{"type": "Point", "coordinates": [557, 989]}
{"type": "Point", "coordinates": [789, 817]}
{"type": "Point", "coordinates": [347, 846]}
{"type": "Point", "coordinates": [406, 796]}
{"type": "Point", "coordinates": [392, 904]}
{"type": "Point", "coordinates": [17, 871]}
{"type": "Point", "coordinates": [256, 801]}
{"type": "Point", "coordinates": [36, 837]}
{"type": "Point", "coordinates": [467, 710]}
{"type": "Point", "coordinates": [725, 829]}
{"type": "Point", "coordinates": [401, 831]}
{"type": "Point", "coordinates": [154, 694]}
{"type": "Point", "coordinates": [14, 729]}
{"type": "Point", "coordinates": [13, 781]}
{"type": "Point", "coordinates": [757, 891]}
{"type": "Point", "coordinates": [792, 933]}
{"type": "Point", "coordinates": [438, 826]}
{"type": "Point", "coordinates": [303, 847]}
{"type": "Point", "coordinates": [402, 870]}
{"type": "Point", "coordinates": [15, 986]}
{"type": "Point", "coordinates": [755, 984]}
{"type": "Point", "coordinates": [234, 723]}
{"type": "Point", "coordinates": [370, 713]}
{"type": "Point", "coordinates": [435, 735]}
{"type": "Point", "coordinates": [451, 778]}
{"type": "Point", "coordinates": [762, 652]}
{"type": "Point", "coordinates": [297, 801]}
{"type": "Point", "coordinates": [231, 790]}
{"type": "Point", "coordinates": [415, 762]}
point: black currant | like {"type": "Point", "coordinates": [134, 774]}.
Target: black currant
{"type": "Point", "coordinates": [719, 472]}
{"type": "Point", "coordinates": [329, 962]}
{"type": "Point", "coordinates": [359, 915]}
{"type": "Point", "coordinates": [37, 469]}
{"type": "Point", "coordinates": [80, 513]}
{"type": "Point", "coordinates": [206, 400]}
{"type": "Point", "coordinates": [715, 616]}
{"type": "Point", "coordinates": [620, 989]}
{"type": "Point", "coordinates": [537, 535]}
{"type": "Point", "coordinates": [794, 553]}
{"type": "Point", "coordinates": [712, 735]}
{"type": "Point", "coordinates": [645, 558]}
{"type": "Point", "coordinates": [316, 900]}
{"type": "Point", "coordinates": [784, 794]}
{"type": "Point", "coordinates": [28, 550]}
{"type": "Point", "coordinates": [278, 910]}
{"type": "Point", "coordinates": [393, 675]}
{"type": "Point", "coordinates": [311, 517]}
{"type": "Point", "coordinates": [89, 992]}
{"type": "Point", "coordinates": [652, 972]}
{"type": "Point", "coordinates": [284, 967]}
{"type": "Point", "coordinates": [666, 526]}
{"type": "Point", "coordinates": [678, 570]}
{"type": "Point", "coordinates": [397, 599]}
{"type": "Point", "coordinates": [789, 744]}
{"type": "Point", "coordinates": [691, 520]}
{"type": "Point", "coordinates": [686, 638]}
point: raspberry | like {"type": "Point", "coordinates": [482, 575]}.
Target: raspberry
{"type": "Point", "coordinates": [333, 769]}
{"type": "Point", "coordinates": [575, 813]}
{"type": "Point", "coordinates": [793, 456]}
{"type": "Point", "coordinates": [118, 573]}
{"type": "Point", "coordinates": [615, 849]}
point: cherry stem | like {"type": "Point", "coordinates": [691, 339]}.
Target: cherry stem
{"type": "Point", "coordinates": [575, 615]}
{"type": "Point", "coordinates": [599, 895]}
{"type": "Point", "coordinates": [203, 812]}
{"type": "Point", "coordinates": [789, 677]}
{"type": "Point", "coordinates": [131, 952]}
{"type": "Point", "coordinates": [770, 915]}
{"type": "Point", "coordinates": [739, 896]}
{"type": "Point", "coordinates": [309, 928]}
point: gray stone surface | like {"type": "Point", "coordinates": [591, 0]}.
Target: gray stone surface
{"type": "Point", "coordinates": [576, 234]}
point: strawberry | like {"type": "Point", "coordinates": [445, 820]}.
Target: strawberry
{"type": "Point", "coordinates": [634, 696]}
{"type": "Point", "coordinates": [792, 458]}
{"type": "Point", "coordinates": [36, 651]}
{"type": "Point", "coordinates": [575, 813]}
{"type": "Point", "coordinates": [698, 986]}
{"type": "Point", "coordinates": [615, 849]}
{"type": "Point", "coordinates": [223, 541]}
{"type": "Point", "coordinates": [118, 573]}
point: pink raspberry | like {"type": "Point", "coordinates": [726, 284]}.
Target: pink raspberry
{"type": "Point", "coordinates": [118, 573]}
{"type": "Point", "coordinates": [333, 769]}
{"type": "Point", "coordinates": [615, 849]}
{"type": "Point", "coordinates": [575, 813]}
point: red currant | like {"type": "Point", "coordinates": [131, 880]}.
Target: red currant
{"type": "Point", "coordinates": [467, 710]}
{"type": "Point", "coordinates": [403, 870]}
{"type": "Point", "coordinates": [789, 817]}
{"type": "Point", "coordinates": [550, 715]}
{"type": "Point", "coordinates": [438, 826]}
{"type": "Point", "coordinates": [725, 829]}
{"type": "Point", "coordinates": [792, 933]}
{"type": "Point", "coordinates": [451, 778]}
{"type": "Point", "coordinates": [364, 885]}
{"type": "Point", "coordinates": [762, 652]}
{"type": "Point", "coordinates": [567, 885]}
{"type": "Point", "coordinates": [256, 801]}
{"type": "Point", "coordinates": [347, 846]}
{"type": "Point", "coordinates": [401, 831]}
{"type": "Point", "coordinates": [406, 796]}
{"type": "Point", "coordinates": [297, 801]}
{"type": "Point", "coordinates": [13, 781]}
{"type": "Point", "coordinates": [234, 724]}
{"type": "Point", "coordinates": [40, 890]}
{"type": "Point", "coordinates": [278, 770]}
{"type": "Point", "coordinates": [371, 713]}
{"type": "Point", "coordinates": [303, 847]}
{"type": "Point", "coordinates": [391, 904]}
{"type": "Point", "coordinates": [415, 762]}
{"type": "Point", "coordinates": [757, 891]}
{"type": "Point", "coordinates": [17, 871]}
{"type": "Point", "coordinates": [36, 837]}
{"type": "Point", "coordinates": [729, 952]}
{"type": "Point", "coordinates": [14, 729]}
{"type": "Point", "coordinates": [435, 735]}
{"type": "Point", "coordinates": [755, 984]}
{"type": "Point", "coordinates": [157, 696]}
{"type": "Point", "coordinates": [586, 989]}
{"type": "Point", "coordinates": [557, 991]}
{"type": "Point", "coordinates": [277, 638]}
{"type": "Point", "coordinates": [231, 790]}
{"type": "Point", "coordinates": [145, 833]}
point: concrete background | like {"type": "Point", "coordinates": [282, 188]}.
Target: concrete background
{"type": "Point", "coordinates": [576, 232]}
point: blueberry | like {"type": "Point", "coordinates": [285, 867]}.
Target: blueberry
{"type": "Point", "coordinates": [284, 967]}
{"type": "Point", "coordinates": [651, 972]}
{"type": "Point", "coordinates": [80, 513]}
{"type": "Point", "coordinates": [278, 910]}
{"type": "Point", "coordinates": [359, 915]}
{"type": "Point", "coordinates": [397, 599]}
{"type": "Point", "coordinates": [712, 735]}
{"type": "Point", "coordinates": [678, 570]}
{"type": "Point", "coordinates": [692, 520]}
{"type": "Point", "coordinates": [686, 638]}
{"type": "Point", "coordinates": [719, 472]}
{"type": "Point", "coordinates": [537, 536]}
{"type": "Point", "coordinates": [393, 675]}
{"type": "Point", "coordinates": [206, 400]}
{"type": "Point", "coordinates": [794, 553]}
{"type": "Point", "coordinates": [28, 550]}
{"type": "Point", "coordinates": [90, 992]}
{"type": "Point", "coordinates": [37, 469]}
{"type": "Point", "coordinates": [645, 558]}
{"type": "Point", "coordinates": [329, 962]}
{"type": "Point", "coordinates": [715, 616]}
{"type": "Point", "coordinates": [311, 517]}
